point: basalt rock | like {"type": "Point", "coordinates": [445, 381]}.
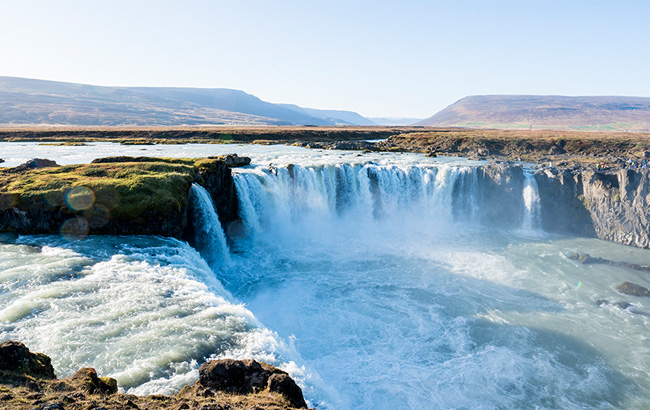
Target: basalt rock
{"type": "Point", "coordinates": [248, 376]}
{"type": "Point", "coordinates": [562, 210]}
{"type": "Point", "coordinates": [499, 188]}
{"type": "Point", "coordinates": [587, 259]}
{"type": "Point", "coordinates": [233, 160]}
{"type": "Point", "coordinates": [86, 380]}
{"type": "Point", "coordinates": [35, 163]}
{"type": "Point", "coordinates": [27, 380]}
{"type": "Point", "coordinates": [216, 177]}
{"type": "Point", "coordinates": [632, 289]}
{"type": "Point", "coordinates": [619, 205]}
{"type": "Point", "coordinates": [16, 358]}
{"type": "Point", "coordinates": [620, 305]}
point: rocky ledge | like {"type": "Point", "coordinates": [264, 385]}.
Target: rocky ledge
{"type": "Point", "coordinates": [27, 381]}
{"type": "Point", "coordinates": [115, 195]}
{"type": "Point", "coordinates": [612, 205]}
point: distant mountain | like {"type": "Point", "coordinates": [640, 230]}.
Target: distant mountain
{"type": "Point", "coordinates": [394, 120]}
{"type": "Point", "coordinates": [552, 112]}
{"type": "Point", "coordinates": [27, 101]}
{"type": "Point", "coordinates": [338, 117]}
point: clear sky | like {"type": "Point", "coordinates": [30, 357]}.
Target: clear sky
{"type": "Point", "coordinates": [380, 58]}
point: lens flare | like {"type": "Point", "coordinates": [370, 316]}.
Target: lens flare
{"type": "Point", "coordinates": [7, 200]}
{"type": "Point", "coordinates": [80, 198]}
{"type": "Point", "coordinates": [74, 229]}
{"type": "Point", "coordinates": [97, 215]}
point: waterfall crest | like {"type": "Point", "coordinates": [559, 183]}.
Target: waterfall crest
{"type": "Point", "coordinates": [359, 192]}
{"type": "Point", "coordinates": [209, 236]}
{"type": "Point", "coordinates": [438, 195]}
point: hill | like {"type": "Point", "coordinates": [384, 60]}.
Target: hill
{"type": "Point", "coordinates": [546, 112]}
{"type": "Point", "coordinates": [337, 117]}
{"type": "Point", "coordinates": [30, 102]}
{"type": "Point", "coordinates": [394, 121]}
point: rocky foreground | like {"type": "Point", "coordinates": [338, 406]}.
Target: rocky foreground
{"type": "Point", "coordinates": [28, 381]}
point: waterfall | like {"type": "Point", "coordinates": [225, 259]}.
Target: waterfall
{"type": "Point", "coordinates": [210, 239]}
{"type": "Point", "coordinates": [532, 207]}
{"type": "Point", "coordinates": [465, 198]}
{"type": "Point", "coordinates": [318, 195]}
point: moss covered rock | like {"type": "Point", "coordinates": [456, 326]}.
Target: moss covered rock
{"type": "Point", "coordinates": [17, 360]}
{"type": "Point", "coordinates": [115, 195]}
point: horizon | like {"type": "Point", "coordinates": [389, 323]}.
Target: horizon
{"type": "Point", "coordinates": [379, 60]}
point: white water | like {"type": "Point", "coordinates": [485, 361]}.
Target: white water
{"type": "Point", "coordinates": [210, 239]}
{"type": "Point", "coordinates": [374, 284]}
{"type": "Point", "coordinates": [532, 214]}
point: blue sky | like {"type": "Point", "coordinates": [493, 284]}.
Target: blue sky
{"type": "Point", "coordinates": [379, 58]}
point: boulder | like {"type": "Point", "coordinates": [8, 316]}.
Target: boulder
{"type": "Point", "coordinates": [86, 379]}
{"type": "Point", "coordinates": [632, 289]}
{"type": "Point", "coordinates": [35, 164]}
{"type": "Point", "coordinates": [586, 259]}
{"type": "Point", "coordinates": [16, 358]}
{"type": "Point", "coordinates": [233, 160]}
{"type": "Point", "coordinates": [621, 305]}
{"type": "Point", "coordinates": [249, 376]}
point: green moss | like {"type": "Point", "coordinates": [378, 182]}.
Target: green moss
{"type": "Point", "coordinates": [129, 189]}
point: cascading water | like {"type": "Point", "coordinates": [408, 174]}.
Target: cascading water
{"type": "Point", "coordinates": [210, 239]}
{"type": "Point", "coordinates": [398, 297]}
{"type": "Point", "coordinates": [362, 192]}
{"type": "Point", "coordinates": [532, 207]}
{"type": "Point", "coordinates": [378, 285]}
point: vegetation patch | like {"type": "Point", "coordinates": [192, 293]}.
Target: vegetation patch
{"type": "Point", "coordinates": [128, 195]}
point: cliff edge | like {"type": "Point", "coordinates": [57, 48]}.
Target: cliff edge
{"type": "Point", "coordinates": [114, 195]}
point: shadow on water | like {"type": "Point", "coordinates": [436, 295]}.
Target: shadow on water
{"type": "Point", "coordinates": [563, 372]}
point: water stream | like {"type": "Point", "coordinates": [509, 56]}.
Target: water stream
{"type": "Point", "coordinates": [370, 279]}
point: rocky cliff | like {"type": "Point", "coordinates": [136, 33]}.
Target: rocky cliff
{"type": "Point", "coordinates": [115, 195]}
{"type": "Point", "coordinates": [619, 205]}
{"type": "Point", "coordinates": [611, 205]}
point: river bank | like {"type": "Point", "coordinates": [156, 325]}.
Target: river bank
{"type": "Point", "coordinates": [28, 381]}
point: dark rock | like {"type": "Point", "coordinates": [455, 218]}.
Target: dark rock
{"type": "Point", "coordinates": [283, 384]}
{"type": "Point", "coordinates": [131, 404]}
{"type": "Point", "coordinates": [50, 406]}
{"type": "Point", "coordinates": [216, 178]}
{"type": "Point", "coordinates": [34, 164]}
{"type": "Point", "coordinates": [586, 259]}
{"type": "Point", "coordinates": [233, 160]}
{"type": "Point", "coordinates": [249, 376]}
{"type": "Point", "coordinates": [632, 289]}
{"type": "Point", "coordinates": [562, 204]}
{"type": "Point", "coordinates": [16, 358]}
{"type": "Point", "coordinates": [107, 160]}
{"type": "Point", "coordinates": [208, 407]}
{"type": "Point", "coordinates": [86, 380]}
{"type": "Point", "coordinates": [620, 305]}
{"type": "Point", "coordinates": [619, 205]}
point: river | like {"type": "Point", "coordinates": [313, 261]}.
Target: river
{"type": "Point", "coordinates": [369, 278]}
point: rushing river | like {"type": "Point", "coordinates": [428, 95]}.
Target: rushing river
{"type": "Point", "coordinates": [368, 278]}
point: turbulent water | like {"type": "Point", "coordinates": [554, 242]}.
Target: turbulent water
{"type": "Point", "coordinates": [368, 278]}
